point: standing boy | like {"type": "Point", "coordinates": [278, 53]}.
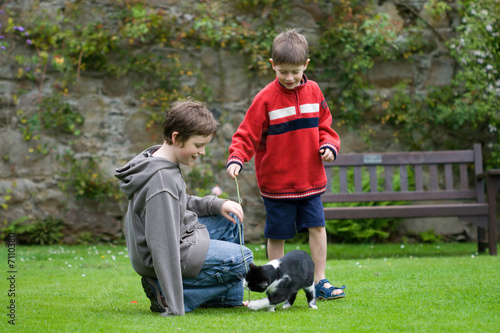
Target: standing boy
{"type": "Point", "coordinates": [187, 253]}
{"type": "Point", "coordinates": [287, 128]}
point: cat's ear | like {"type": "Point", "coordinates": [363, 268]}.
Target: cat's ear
{"type": "Point", "coordinates": [252, 266]}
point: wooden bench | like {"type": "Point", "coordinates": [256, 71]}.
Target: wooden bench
{"type": "Point", "coordinates": [434, 184]}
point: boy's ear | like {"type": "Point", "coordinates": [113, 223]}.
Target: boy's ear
{"type": "Point", "coordinates": [175, 141]}
{"type": "Point", "coordinates": [272, 63]}
{"type": "Point", "coordinates": [307, 62]}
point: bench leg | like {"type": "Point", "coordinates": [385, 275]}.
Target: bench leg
{"type": "Point", "coordinates": [492, 188]}
{"type": "Point", "coordinates": [481, 240]}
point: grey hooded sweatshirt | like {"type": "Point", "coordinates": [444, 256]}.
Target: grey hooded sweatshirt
{"type": "Point", "coordinates": [165, 241]}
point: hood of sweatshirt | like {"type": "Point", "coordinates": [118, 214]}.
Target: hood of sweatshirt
{"type": "Point", "coordinates": [138, 170]}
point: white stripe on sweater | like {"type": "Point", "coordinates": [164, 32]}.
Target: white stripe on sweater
{"type": "Point", "coordinates": [290, 111]}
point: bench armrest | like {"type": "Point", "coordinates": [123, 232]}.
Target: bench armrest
{"type": "Point", "coordinates": [490, 173]}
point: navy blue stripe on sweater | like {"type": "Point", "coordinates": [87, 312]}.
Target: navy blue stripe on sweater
{"type": "Point", "coordinates": [293, 125]}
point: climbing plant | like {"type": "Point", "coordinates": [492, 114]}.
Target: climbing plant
{"type": "Point", "coordinates": [452, 116]}
{"type": "Point", "coordinates": [83, 178]}
{"type": "Point", "coordinates": [350, 42]}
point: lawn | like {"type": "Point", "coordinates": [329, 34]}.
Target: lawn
{"type": "Point", "coordinates": [390, 288]}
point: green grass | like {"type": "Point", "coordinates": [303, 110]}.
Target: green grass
{"type": "Point", "coordinates": [390, 288]}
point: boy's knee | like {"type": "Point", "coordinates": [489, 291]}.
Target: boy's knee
{"type": "Point", "coordinates": [246, 260]}
{"type": "Point", "coordinates": [248, 254]}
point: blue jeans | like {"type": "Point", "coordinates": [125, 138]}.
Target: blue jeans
{"type": "Point", "coordinates": [219, 283]}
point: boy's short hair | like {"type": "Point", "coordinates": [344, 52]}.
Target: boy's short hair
{"type": "Point", "coordinates": [289, 48]}
{"type": "Point", "coordinates": [188, 118]}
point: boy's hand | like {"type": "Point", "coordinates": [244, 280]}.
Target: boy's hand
{"type": "Point", "coordinates": [234, 208]}
{"type": "Point", "coordinates": [233, 170]}
{"type": "Point", "coordinates": [327, 155]}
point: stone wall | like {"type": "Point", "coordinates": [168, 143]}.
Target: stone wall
{"type": "Point", "coordinates": [114, 127]}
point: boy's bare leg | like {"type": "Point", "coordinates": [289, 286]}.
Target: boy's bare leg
{"type": "Point", "coordinates": [317, 244]}
{"type": "Point", "coordinates": [275, 248]}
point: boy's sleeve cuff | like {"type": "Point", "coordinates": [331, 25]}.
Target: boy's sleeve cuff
{"type": "Point", "coordinates": [216, 206]}
{"type": "Point", "coordinates": [235, 160]}
{"type": "Point", "coordinates": [332, 147]}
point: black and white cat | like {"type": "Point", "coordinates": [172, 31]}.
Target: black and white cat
{"type": "Point", "coordinates": [281, 279]}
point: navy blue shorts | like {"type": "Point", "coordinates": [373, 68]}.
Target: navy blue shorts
{"type": "Point", "coordinates": [286, 218]}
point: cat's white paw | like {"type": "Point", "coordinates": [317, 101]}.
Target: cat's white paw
{"type": "Point", "coordinates": [258, 304]}
{"type": "Point", "coordinates": [286, 305]}
{"type": "Point", "coordinates": [312, 304]}
{"type": "Point", "coordinates": [253, 306]}
{"type": "Point", "coordinates": [272, 309]}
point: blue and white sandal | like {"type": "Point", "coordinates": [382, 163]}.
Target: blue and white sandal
{"type": "Point", "coordinates": [323, 293]}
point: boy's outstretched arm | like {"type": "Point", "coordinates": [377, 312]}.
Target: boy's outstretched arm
{"type": "Point", "coordinates": [248, 137]}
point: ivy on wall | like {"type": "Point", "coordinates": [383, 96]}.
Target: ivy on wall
{"type": "Point", "coordinates": [468, 109]}
{"type": "Point", "coordinates": [352, 39]}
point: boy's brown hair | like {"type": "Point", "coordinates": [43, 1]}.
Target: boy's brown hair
{"type": "Point", "coordinates": [188, 118]}
{"type": "Point", "coordinates": [289, 48]}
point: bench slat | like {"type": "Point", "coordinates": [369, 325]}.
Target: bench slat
{"type": "Point", "coordinates": [366, 212]}
{"type": "Point", "coordinates": [464, 177]}
{"type": "Point", "coordinates": [406, 158]}
{"type": "Point", "coordinates": [399, 196]}
{"type": "Point", "coordinates": [419, 180]}
{"type": "Point", "coordinates": [403, 178]}
{"type": "Point", "coordinates": [388, 178]}
{"type": "Point", "coordinates": [434, 177]}
{"type": "Point", "coordinates": [358, 179]}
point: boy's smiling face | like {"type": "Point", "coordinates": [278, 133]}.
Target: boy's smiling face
{"type": "Point", "coordinates": [289, 75]}
{"type": "Point", "coordinates": [190, 150]}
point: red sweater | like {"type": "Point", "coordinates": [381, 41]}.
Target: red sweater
{"type": "Point", "coordinates": [285, 129]}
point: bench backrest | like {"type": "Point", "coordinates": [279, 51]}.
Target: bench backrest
{"type": "Point", "coordinates": [432, 175]}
